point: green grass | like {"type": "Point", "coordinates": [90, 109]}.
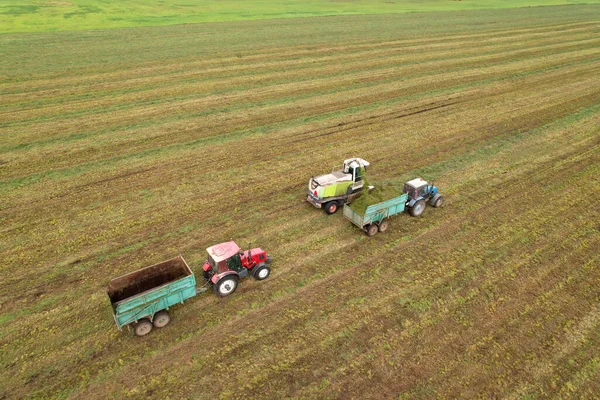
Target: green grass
{"type": "Point", "coordinates": [44, 16]}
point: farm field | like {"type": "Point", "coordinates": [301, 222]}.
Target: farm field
{"type": "Point", "coordinates": [122, 148]}
{"type": "Point", "coordinates": [39, 16]}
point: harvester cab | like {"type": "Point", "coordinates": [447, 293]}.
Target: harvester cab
{"type": "Point", "coordinates": [330, 191]}
{"type": "Point", "coordinates": [353, 167]}
{"type": "Point", "coordinates": [419, 192]}
{"type": "Point", "coordinates": [227, 264]}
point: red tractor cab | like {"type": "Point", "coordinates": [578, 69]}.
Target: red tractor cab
{"type": "Point", "coordinates": [227, 263]}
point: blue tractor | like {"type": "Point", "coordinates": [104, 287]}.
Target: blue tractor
{"type": "Point", "coordinates": [419, 193]}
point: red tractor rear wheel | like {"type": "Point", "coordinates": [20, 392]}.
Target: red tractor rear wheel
{"type": "Point", "coordinates": [226, 285]}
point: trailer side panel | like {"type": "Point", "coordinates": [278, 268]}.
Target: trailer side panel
{"type": "Point", "coordinates": [143, 293]}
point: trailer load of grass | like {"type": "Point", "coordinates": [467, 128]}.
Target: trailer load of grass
{"type": "Point", "coordinates": [379, 194]}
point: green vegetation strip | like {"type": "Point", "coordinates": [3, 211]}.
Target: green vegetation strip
{"type": "Point", "coordinates": [36, 16]}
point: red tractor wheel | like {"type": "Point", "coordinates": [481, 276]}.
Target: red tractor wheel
{"type": "Point", "coordinates": [262, 273]}
{"type": "Point", "coordinates": [226, 285]}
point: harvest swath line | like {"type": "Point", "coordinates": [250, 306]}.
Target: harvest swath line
{"type": "Point", "coordinates": [219, 69]}
{"type": "Point", "coordinates": [390, 61]}
{"type": "Point", "coordinates": [591, 60]}
{"type": "Point", "coordinates": [119, 149]}
{"type": "Point", "coordinates": [191, 166]}
{"type": "Point", "coordinates": [163, 100]}
{"type": "Point", "coordinates": [362, 123]}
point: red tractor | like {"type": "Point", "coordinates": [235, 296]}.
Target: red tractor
{"type": "Point", "coordinates": [227, 263]}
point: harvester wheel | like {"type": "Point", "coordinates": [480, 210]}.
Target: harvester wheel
{"type": "Point", "coordinates": [383, 225]}
{"type": "Point", "coordinates": [142, 327]}
{"type": "Point", "coordinates": [262, 273]}
{"type": "Point", "coordinates": [226, 285]}
{"type": "Point", "coordinates": [161, 319]}
{"type": "Point", "coordinates": [331, 207]}
{"type": "Point", "coordinates": [418, 208]}
{"type": "Point", "coordinates": [372, 230]}
{"type": "Point", "coordinates": [438, 202]}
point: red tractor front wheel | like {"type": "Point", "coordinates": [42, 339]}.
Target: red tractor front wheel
{"type": "Point", "coordinates": [262, 273]}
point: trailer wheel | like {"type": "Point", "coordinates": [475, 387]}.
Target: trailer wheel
{"type": "Point", "coordinates": [161, 319]}
{"type": "Point", "coordinates": [437, 201]}
{"type": "Point", "coordinates": [383, 225]}
{"type": "Point", "coordinates": [418, 208]}
{"type": "Point", "coordinates": [226, 285]}
{"type": "Point", "coordinates": [372, 230]}
{"type": "Point", "coordinates": [142, 327]}
{"type": "Point", "coordinates": [331, 207]}
{"type": "Point", "coordinates": [262, 273]}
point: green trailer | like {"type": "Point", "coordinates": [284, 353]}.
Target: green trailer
{"type": "Point", "coordinates": [375, 217]}
{"type": "Point", "coordinates": [141, 298]}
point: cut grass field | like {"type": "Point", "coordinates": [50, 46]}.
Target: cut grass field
{"type": "Point", "coordinates": [123, 148]}
{"type": "Point", "coordinates": [40, 16]}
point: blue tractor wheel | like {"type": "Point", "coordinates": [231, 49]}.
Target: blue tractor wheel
{"type": "Point", "coordinates": [418, 208]}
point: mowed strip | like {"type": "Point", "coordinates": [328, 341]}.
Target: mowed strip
{"type": "Point", "coordinates": [398, 60]}
{"type": "Point", "coordinates": [477, 286]}
{"type": "Point", "coordinates": [251, 107]}
{"type": "Point", "coordinates": [184, 160]}
{"type": "Point", "coordinates": [491, 267]}
{"type": "Point", "coordinates": [502, 116]}
{"type": "Point", "coordinates": [280, 61]}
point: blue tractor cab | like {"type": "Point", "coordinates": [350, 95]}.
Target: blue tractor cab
{"type": "Point", "coordinates": [419, 193]}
